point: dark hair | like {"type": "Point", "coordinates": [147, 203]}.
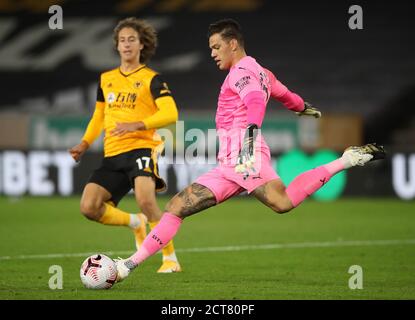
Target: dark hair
{"type": "Point", "coordinates": [228, 29]}
{"type": "Point", "coordinates": [146, 33]}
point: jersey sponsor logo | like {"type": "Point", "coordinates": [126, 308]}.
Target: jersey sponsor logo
{"type": "Point", "coordinates": [242, 83]}
{"type": "Point", "coordinates": [122, 100]}
{"type": "Point", "coordinates": [126, 97]}
{"type": "Point", "coordinates": [111, 97]}
{"type": "Point", "coordinates": [157, 239]}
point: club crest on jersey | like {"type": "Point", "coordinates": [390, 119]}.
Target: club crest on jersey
{"type": "Point", "coordinates": [137, 84]}
{"type": "Point", "coordinates": [111, 97]}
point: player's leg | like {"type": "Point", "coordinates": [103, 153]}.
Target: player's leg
{"type": "Point", "coordinates": [145, 193]}
{"type": "Point", "coordinates": [281, 199]}
{"type": "Point", "coordinates": [92, 201]}
{"type": "Point", "coordinates": [208, 190]}
{"type": "Point", "coordinates": [191, 200]}
{"type": "Point", "coordinates": [101, 196]}
{"type": "Point", "coordinates": [273, 195]}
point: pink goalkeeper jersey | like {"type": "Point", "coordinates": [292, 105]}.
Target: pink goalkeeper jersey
{"type": "Point", "coordinates": [231, 115]}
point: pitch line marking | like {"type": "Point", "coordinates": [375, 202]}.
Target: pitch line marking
{"type": "Point", "coordinates": [327, 244]}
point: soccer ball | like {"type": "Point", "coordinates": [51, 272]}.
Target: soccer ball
{"type": "Point", "coordinates": [98, 272]}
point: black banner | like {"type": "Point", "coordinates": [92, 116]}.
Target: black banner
{"type": "Point", "coordinates": [45, 173]}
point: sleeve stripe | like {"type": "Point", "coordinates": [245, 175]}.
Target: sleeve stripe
{"type": "Point", "coordinates": [100, 93]}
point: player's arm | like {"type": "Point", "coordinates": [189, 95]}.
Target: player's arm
{"type": "Point", "coordinates": [256, 105]}
{"type": "Point", "coordinates": [167, 113]}
{"type": "Point", "coordinates": [94, 129]}
{"type": "Point", "coordinates": [246, 157]}
{"type": "Point", "coordinates": [291, 100]}
{"type": "Point", "coordinates": [92, 132]}
{"type": "Point", "coordinates": [245, 84]}
{"type": "Point", "coordinates": [166, 110]}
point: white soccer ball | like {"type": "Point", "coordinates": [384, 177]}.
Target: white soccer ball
{"type": "Point", "coordinates": [98, 272]}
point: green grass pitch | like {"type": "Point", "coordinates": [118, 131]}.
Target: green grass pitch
{"type": "Point", "coordinates": [237, 250]}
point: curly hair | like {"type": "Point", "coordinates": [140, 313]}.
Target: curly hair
{"type": "Point", "coordinates": [146, 33]}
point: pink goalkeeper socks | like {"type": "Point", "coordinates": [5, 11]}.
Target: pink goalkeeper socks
{"type": "Point", "coordinates": [310, 181]}
{"type": "Point", "coordinates": [158, 237]}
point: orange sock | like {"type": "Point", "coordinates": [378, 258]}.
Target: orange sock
{"type": "Point", "coordinates": [114, 216]}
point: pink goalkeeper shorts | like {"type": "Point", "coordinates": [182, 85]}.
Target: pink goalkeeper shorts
{"type": "Point", "coordinates": [224, 182]}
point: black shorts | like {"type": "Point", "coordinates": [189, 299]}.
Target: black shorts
{"type": "Point", "coordinates": [116, 174]}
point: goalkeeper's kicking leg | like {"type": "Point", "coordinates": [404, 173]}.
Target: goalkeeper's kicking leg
{"type": "Point", "coordinates": [146, 199]}
{"type": "Point", "coordinates": [191, 200]}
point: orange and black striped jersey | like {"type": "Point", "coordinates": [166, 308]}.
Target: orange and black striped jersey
{"type": "Point", "coordinates": [129, 98]}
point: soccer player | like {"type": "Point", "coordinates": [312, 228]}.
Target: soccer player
{"type": "Point", "coordinates": [132, 102]}
{"type": "Point", "coordinates": [244, 158]}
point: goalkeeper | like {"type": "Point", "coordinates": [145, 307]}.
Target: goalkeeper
{"type": "Point", "coordinates": [244, 157]}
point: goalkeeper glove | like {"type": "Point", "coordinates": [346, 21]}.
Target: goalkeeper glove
{"type": "Point", "coordinates": [309, 110]}
{"type": "Point", "coordinates": [246, 157]}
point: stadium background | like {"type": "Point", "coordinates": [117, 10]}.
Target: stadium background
{"type": "Point", "coordinates": [362, 80]}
